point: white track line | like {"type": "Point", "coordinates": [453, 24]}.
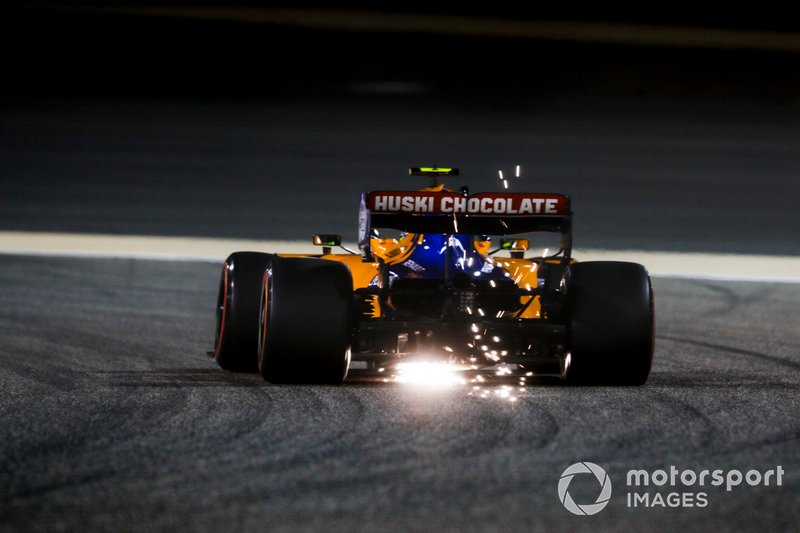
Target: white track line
{"type": "Point", "coordinates": [734, 267]}
{"type": "Point", "coordinates": [737, 267]}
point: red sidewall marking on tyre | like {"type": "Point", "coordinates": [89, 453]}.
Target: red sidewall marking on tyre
{"type": "Point", "coordinates": [264, 313]}
{"type": "Point", "coordinates": [221, 331]}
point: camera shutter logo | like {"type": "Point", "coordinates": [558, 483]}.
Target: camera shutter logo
{"type": "Point", "coordinates": [590, 508]}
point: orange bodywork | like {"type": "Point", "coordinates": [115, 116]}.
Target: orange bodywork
{"type": "Point", "coordinates": [524, 272]}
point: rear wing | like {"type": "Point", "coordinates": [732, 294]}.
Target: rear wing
{"type": "Point", "coordinates": [450, 212]}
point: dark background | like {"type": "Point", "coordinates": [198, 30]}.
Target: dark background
{"type": "Point", "coordinates": [64, 50]}
{"type": "Point", "coordinates": [118, 122]}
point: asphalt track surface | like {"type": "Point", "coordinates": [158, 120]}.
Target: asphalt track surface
{"type": "Point", "coordinates": [113, 417]}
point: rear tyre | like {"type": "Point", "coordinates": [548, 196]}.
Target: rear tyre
{"type": "Point", "coordinates": [236, 342]}
{"type": "Point", "coordinates": [611, 326]}
{"type": "Point", "coordinates": [306, 321]}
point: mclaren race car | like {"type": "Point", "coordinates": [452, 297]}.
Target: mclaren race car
{"type": "Point", "coordinates": [439, 274]}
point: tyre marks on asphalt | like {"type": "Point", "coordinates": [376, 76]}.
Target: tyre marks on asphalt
{"type": "Point", "coordinates": [727, 393]}
{"type": "Point", "coordinates": [128, 416]}
{"type": "Point", "coordinates": [724, 349]}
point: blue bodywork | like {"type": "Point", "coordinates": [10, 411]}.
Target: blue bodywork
{"type": "Point", "coordinates": [442, 257]}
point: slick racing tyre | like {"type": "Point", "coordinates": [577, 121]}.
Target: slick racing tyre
{"type": "Point", "coordinates": [306, 321]}
{"type": "Point", "coordinates": [236, 343]}
{"type": "Point", "coordinates": [611, 324]}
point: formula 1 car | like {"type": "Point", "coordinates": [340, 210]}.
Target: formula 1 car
{"type": "Point", "coordinates": [440, 274]}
